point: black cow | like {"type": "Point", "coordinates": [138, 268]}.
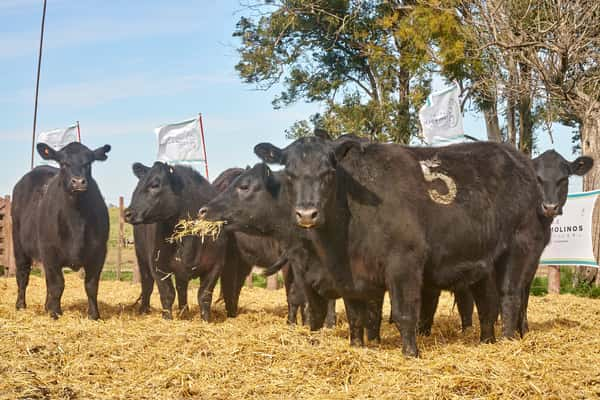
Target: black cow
{"type": "Point", "coordinates": [164, 195]}
{"type": "Point", "coordinates": [265, 251]}
{"type": "Point", "coordinates": [553, 172]}
{"type": "Point", "coordinates": [250, 250]}
{"type": "Point", "coordinates": [256, 203]}
{"type": "Point", "coordinates": [382, 218]}
{"type": "Point", "coordinates": [60, 219]}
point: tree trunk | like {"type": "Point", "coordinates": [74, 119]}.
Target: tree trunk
{"type": "Point", "coordinates": [492, 125]}
{"type": "Point", "coordinates": [590, 145]}
{"type": "Point", "coordinates": [525, 118]}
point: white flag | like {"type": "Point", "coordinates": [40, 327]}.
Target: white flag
{"type": "Point", "coordinates": [441, 118]}
{"type": "Point", "coordinates": [571, 233]}
{"type": "Point", "coordinates": [59, 138]}
{"type": "Point", "coordinates": [180, 142]}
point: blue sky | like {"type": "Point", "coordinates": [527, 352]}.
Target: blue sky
{"type": "Point", "coordinates": [124, 68]}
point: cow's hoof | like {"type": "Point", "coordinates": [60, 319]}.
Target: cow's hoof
{"type": "Point", "coordinates": [21, 305]}
{"type": "Point", "coordinates": [330, 324]}
{"type": "Point", "coordinates": [94, 316]}
{"type": "Point", "coordinates": [167, 315]}
{"type": "Point", "coordinates": [54, 315]}
{"type": "Point", "coordinates": [410, 352]}
{"type": "Point", "coordinates": [144, 310]}
{"type": "Point", "coordinates": [356, 342]}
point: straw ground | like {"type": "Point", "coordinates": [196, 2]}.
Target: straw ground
{"type": "Point", "coordinates": [126, 356]}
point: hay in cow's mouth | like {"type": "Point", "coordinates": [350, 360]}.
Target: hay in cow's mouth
{"type": "Point", "coordinates": [196, 227]}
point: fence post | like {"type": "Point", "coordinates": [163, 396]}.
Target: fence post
{"type": "Point", "coordinates": [273, 282]}
{"type": "Point", "coordinates": [120, 239]}
{"type": "Point", "coordinates": [249, 283]}
{"type": "Point", "coordinates": [554, 279]}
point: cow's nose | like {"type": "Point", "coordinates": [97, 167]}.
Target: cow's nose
{"type": "Point", "coordinates": [79, 183]}
{"type": "Point", "coordinates": [306, 217]}
{"type": "Point", "coordinates": [202, 212]}
{"type": "Point", "coordinates": [550, 209]}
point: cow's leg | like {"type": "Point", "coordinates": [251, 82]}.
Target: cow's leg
{"type": "Point", "coordinates": [486, 297]}
{"type": "Point", "coordinates": [23, 270]}
{"type": "Point", "coordinates": [55, 286]}
{"type": "Point", "coordinates": [147, 287]}
{"type": "Point", "coordinates": [519, 270]}
{"type": "Point", "coordinates": [167, 294]}
{"type": "Point", "coordinates": [233, 276]}
{"type": "Point", "coordinates": [356, 311]}
{"type": "Point", "coordinates": [330, 319]}
{"type": "Point", "coordinates": [304, 314]}
{"type": "Point", "coordinates": [92, 280]}
{"type": "Point", "coordinates": [405, 281]}
{"type": "Point", "coordinates": [292, 317]}
{"type": "Point", "coordinates": [464, 302]}
{"type": "Point", "coordinates": [317, 308]}
{"type": "Point", "coordinates": [429, 303]}
{"type": "Point", "coordinates": [181, 285]}
{"type": "Point", "coordinates": [523, 324]}
{"type": "Point", "coordinates": [374, 311]}
{"type": "Point", "coordinates": [205, 292]}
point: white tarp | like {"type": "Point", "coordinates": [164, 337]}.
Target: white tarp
{"type": "Point", "coordinates": [441, 119]}
{"type": "Point", "coordinates": [58, 138]}
{"type": "Point", "coordinates": [571, 240]}
{"type": "Point", "coordinates": [180, 142]}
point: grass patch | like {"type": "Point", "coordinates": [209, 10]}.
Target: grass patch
{"type": "Point", "coordinates": [539, 286]}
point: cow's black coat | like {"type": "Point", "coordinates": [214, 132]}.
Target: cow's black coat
{"type": "Point", "coordinates": [60, 219]}
{"type": "Point", "coordinates": [164, 195]}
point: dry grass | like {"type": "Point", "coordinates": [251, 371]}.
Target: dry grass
{"type": "Point", "coordinates": [197, 227]}
{"type": "Point", "coordinates": [126, 356]}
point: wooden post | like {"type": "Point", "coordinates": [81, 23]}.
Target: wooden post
{"type": "Point", "coordinates": [554, 279]}
{"type": "Point", "coordinates": [7, 239]}
{"type": "Point", "coordinates": [273, 282]}
{"type": "Point", "coordinates": [120, 240]}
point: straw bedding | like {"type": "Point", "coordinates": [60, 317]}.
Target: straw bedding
{"type": "Point", "coordinates": [126, 356]}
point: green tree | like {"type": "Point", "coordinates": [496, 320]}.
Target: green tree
{"type": "Point", "coordinates": [368, 62]}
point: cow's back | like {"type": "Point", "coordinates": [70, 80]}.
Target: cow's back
{"type": "Point", "coordinates": [27, 196]}
{"type": "Point", "coordinates": [463, 208]}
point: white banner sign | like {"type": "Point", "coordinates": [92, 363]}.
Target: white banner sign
{"type": "Point", "coordinates": [441, 118]}
{"type": "Point", "coordinates": [59, 138]}
{"type": "Point", "coordinates": [180, 142]}
{"type": "Point", "coordinates": [571, 240]}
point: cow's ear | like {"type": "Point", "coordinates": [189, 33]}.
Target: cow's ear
{"type": "Point", "coordinates": [343, 148]}
{"type": "Point", "coordinates": [323, 134]}
{"type": "Point", "coordinates": [47, 152]}
{"type": "Point", "coordinates": [140, 170]}
{"type": "Point", "coordinates": [100, 153]}
{"type": "Point", "coordinates": [581, 165]}
{"type": "Point", "coordinates": [269, 153]}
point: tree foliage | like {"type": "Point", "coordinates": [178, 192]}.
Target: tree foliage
{"type": "Point", "coordinates": [369, 63]}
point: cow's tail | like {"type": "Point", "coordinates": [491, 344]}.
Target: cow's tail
{"type": "Point", "coordinates": [273, 269]}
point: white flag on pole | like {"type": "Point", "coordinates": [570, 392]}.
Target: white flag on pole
{"type": "Point", "coordinates": [180, 142]}
{"type": "Point", "coordinates": [571, 233]}
{"type": "Point", "coordinates": [59, 138]}
{"type": "Point", "coordinates": [441, 118]}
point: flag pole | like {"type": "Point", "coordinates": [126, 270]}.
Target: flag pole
{"type": "Point", "coordinates": [78, 133]}
{"type": "Point", "coordinates": [203, 143]}
{"type": "Point", "coordinates": [37, 85]}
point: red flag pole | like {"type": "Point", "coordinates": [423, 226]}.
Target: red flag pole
{"type": "Point", "coordinates": [203, 143]}
{"type": "Point", "coordinates": [78, 133]}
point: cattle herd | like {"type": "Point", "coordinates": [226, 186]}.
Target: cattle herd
{"type": "Point", "coordinates": [343, 218]}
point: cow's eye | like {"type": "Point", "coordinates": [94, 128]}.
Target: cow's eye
{"type": "Point", "coordinates": [243, 188]}
{"type": "Point", "coordinates": [154, 185]}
